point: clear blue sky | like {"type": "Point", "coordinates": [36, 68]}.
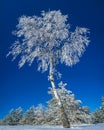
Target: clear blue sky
{"type": "Point", "coordinates": [25, 87]}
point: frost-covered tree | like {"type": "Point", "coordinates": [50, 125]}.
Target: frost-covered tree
{"type": "Point", "coordinates": [76, 114]}
{"type": "Point", "coordinates": [82, 115]}
{"type": "Point", "coordinates": [40, 115]}
{"type": "Point", "coordinates": [18, 114]}
{"type": "Point", "coordinates": [48, 40]}
{"type": "Point", "coordinates": [102, 104]}
{"type": "Point", "coordinates": [8, 120]}
{"type": "Point", "coordinates": [13, 117]}
{"type": "Point", "coordinates": [29, 116]}
{"type": "Point", "coordinates": [98, 115]}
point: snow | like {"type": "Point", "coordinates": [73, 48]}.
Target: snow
{"type": "Point", "coordinates": [83, 127]}
{"type": "Point", "coordinates": [48, 40]}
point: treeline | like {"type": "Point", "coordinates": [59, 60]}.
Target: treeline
{"type": "Point", "coordinates": [41, 116]}
{"type": "Point", "coordinates": [51, 115]}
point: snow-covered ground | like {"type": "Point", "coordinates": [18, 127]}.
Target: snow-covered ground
{"type": "Point", "coordinates": [85, 127]}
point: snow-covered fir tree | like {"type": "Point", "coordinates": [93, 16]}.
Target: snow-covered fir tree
{"type": "Point", "coordinates": [18, 114]}
{"type": "Point", "coordinates": [14, 117]}
{"type": "Point", "coordinates": [76, 113]}
{"type": "Point", "coordinates": [40, 115]}
{"type": "Point", "coordinates": [48, 40]}
{"type": "Point", "coordinates": [8, 120]}
{"type": "Point", "coordinates": [29, 117]}
{"type": "Point", "coordinates": [102, 104]}
{"type": "Point", "coordinates": [98, 115]}
{"type": "Point", "coordinates": [83, 115]}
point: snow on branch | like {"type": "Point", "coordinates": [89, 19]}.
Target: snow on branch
{"type": "Point", "coordinates": [48, 37]}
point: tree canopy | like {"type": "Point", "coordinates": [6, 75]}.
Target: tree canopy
{"type": "Point", "coordinates": [48, 39]}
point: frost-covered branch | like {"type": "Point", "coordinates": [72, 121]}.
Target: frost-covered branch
{"type": "Point", "coordinates": [48, 36]}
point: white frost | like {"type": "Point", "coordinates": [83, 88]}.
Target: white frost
{"type": "Point", "coordinates": [48, 37]}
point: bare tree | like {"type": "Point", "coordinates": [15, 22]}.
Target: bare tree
{"type": "Point", "coordinates": [48, 40]}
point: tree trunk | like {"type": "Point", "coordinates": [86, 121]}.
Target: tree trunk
{"type": "Point", "coordinates": [64, 119]}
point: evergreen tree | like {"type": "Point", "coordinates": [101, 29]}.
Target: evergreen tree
{"type": "Point", "coordinates": [29, 117]}
{"type": "Point", "coordinates": [53, 114]}
{"type": "Point", "coordinates": [75, 113]}
{"type": "Point", "coordinates": [8, 119]}
{"type": "Point", "coordinates": [40, 115]}
{"type": "Point", "coordinates": [83, 115]}
{"type": "Point", "coordinates": [98, 115]}
{"type": "Point", "coordinates": [13, 117]}
{"type": "Point", "coordinates": [102, 104]}
{"type": "Point", "coordinates": [18, 115]}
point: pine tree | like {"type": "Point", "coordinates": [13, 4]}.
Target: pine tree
{"type": "Point", "coordinates": [8, 119]}
{"type": "Point", "coordinates": [76, 114]}
{"type": "Point", "coordinates": [40, 115]}
{"type": "Point", "coordinates": [13, 117]}
{"type": "Point", "coordinates": [83, 115]}
{"type": "Point", "coordinates": [48, 40]}
{"type": "Point", "coordinates": [29, 117]}
{"type": "Point", "coordinates": [53, 114]}
{"type": "Point", "coordinates": [98, 115]}
{"type": "Point", "coordinates": [18, 115]}
{"type": "Point", "coordinates": [102, 104]}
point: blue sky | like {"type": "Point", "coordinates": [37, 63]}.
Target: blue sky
{"type": "Point", "coordinates": [26, 86]}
